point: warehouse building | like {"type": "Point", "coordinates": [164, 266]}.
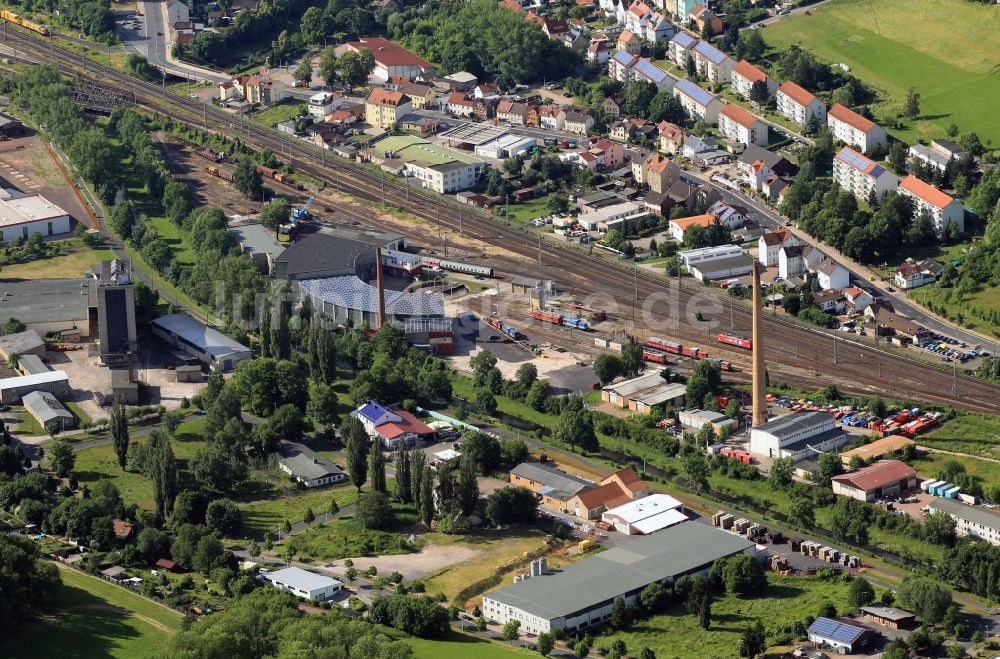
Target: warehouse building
{"type": "Point", "coordinates": [31, 365]}
{"type": "Point", "coordinates": [582, 594]}
{"type": "Point", "coordinates": [647, 515]}
{"type": "Point", "coordinates": [50, 305]}
{"type": "Point", "coordinates": [641, 394]}
{"type": "Point", "coordinates": [208, 345]}
{"type": "Point", "coordinates": [696, 419]}
{"type": "Point", "coordinates": [617, 489]}
{"type": "Point", "coordinates": [877, 449]}
{"type": "Point", "coordinates": [350, 298]}
{"type": "Point", "coordinates": [48, 411]}
{"type": "Point", "coordinates": [302, 583]}
{"type": "Point", "coordinates": [19, 344]}
{"type": "Point", "coordinates": [882, 479]}
{"type": "Point", "coordinates": [12, 390]}
{"type": "Point", "coordinates": [798, 436]}
{"type": "Point", "coordinates": [840, 634]}
{"type": "Point", "coordinates": [22, 215]}
{"type": "Point", "coordinates": [307, 467]}
{"type": "Point", "coordinates": [726, 267]}
{"type": "Point", "coordinates": [970, 521]}
{"type": "Point", "coordinates": [554, 486]}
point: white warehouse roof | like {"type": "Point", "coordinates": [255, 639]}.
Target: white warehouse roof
{"type": "Point", "coordinates": [34, 380]}
{"type": "Point", "coordinates": [301, 579]}
{"type": "Point", "coordinates": [199, 335]}
{"type": "Point", "coordinates": [633, 511]}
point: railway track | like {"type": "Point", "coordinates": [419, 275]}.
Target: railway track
{"type": "Point", "coordinates": [863, 369]}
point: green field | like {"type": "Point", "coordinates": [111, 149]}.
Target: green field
{"type": "Point", "coordinates": [97, 619]}
{"type": "Point", "coordinates": [276, 114]}
{"type": "Point", "coordinates": [676, 633]}
{"type": "Point", "coordinates": [344, 537]}
{"type": "Point", "coordinates": [946, 50]}
{"type": "Point", "coordinates": [459, 646]}
{"type": "Point", "coordinates": [975, 434]}
{"type": "Point", "coordinates": [75, 263]}
{"type": "Point", "coordinates": [263, 515]}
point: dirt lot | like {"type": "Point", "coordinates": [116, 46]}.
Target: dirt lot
{"type": "Point", "coordinates": [429, 560]}
{"type": "Point", "coordinates": [25, 164]}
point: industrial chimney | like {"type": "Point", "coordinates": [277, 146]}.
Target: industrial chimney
{"type": "Point", "coordinates": [759, 388]}
{"type": "Point", "coordinates": [380, 287]}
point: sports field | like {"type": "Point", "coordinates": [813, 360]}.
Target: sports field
{"type": "Point", "coordinates": [97, 619]}
{"type": "Point", "coordinates": [948, 50]}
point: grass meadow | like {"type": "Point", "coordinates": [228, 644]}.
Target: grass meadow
{"type": "Point", "coordinates": [948, 51]}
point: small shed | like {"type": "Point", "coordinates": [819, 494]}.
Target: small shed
{"type": "Point", "coordinates": [188, 373]}
{"type": "Point", "coordinates": [889, 616]}
{"type": "Point", "coordinates": [123, 387]}
{"type": "Point", "coordinates": [524, 284]}
{"type": "Point", "coordinates": [116, 573]}
{"type": "Point", "coordinates": [166, 564]}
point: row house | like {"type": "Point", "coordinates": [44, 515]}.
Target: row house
{"type": "Point", "coordinates": [514, 113]}
{"type": "Point", "coordinates": [671, 137]}
{"type": "Point", "coordinates": [701, 105]}
{"type": "Point", "coordinates": [712, 64]}
{"type": "Point", "coordinates": [460, 105]}
{"type": "Point", "coordinates": [939, 208]}
{"type": "Point", "coordinates": [851, 128]}
{"type": "Point", "coordinates": [744, 76]}
{"type": "Point", "coordinates": [681, 47]}
{"type": "Point", "coordinates": [861, 176]}
{"type": "Point", "coordinates": [796, 104]}
{"type": "Point", "coordinates": [741, 126]}
{"type": "Point", "coordinates": [770, 244]}
{"type": "Point", "coordinates": [576, 121]}
{"type": "Point", "coordinates": [550, 117]}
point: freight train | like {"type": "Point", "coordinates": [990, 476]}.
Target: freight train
{"type": "Point", "coordinates": [221, 173]}
{"type": "Point", "coordinates": [594, 314]}
{"type": "Point", "coordinates": [508, 331]}
{"type": "Point", "coordinates": [655, 356]}
{"type": "Point", "coordinates": [560, 319]}
{"type": "Point", "coordinates": [24, 22]}
{"type": "Point", "coordinates": [675, 348]}
{"type": "Point", "coordinates": [737, 341]}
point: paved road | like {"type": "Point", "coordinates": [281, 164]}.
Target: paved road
{"type": "Point", "coordinates": [768, 217]}
{"type": "Point", "coordinates": [156, 45]}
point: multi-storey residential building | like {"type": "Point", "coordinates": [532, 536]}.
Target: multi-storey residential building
{"type": "Point", "coordinates": [744, 76]}
{"type": "Point", "coordinates": [861, 176]}
{"type": "Point", "coordinates": [660, 173]}
{"type": "Point", "coordinates": [383, 108]}
{"type": "Point", "coordinates": [851, 128]}
{"type": "Point", "coordinates": [741, 126]}
{"type": "Point", "coordinates": [938, 207]}
{"type": "Point", "coordinates": [460, 105]}
{"type": "Point", "coordinates": [620, 66]}
{"type": "Point", "coordinates": [712, 64]}
{"type": "Point", "coordinates": [796, 104]}
{"type": "Point", "coordinates": [644, 69]}
{"type": "Point", "coordinates": [444, 178]}
{"type": "Point", "coordinates": [671, 137]}
{"type": "Point", "coordinates": [700, 104]}
{"type": "Point", "coordinates": [680, 47]}
{"type": "Point", "coordinates": [550, 117]}
{"type": "Point", "coordinates": [576, 121]}
{"type": "Point", "coordinates": [630, 42]}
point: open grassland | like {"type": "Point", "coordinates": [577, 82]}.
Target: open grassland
{"type": "Point", "coordinates": [345, 537]}
{"type": "Point", "coordinates": [100, 462]}
{"type": "Point", "coordinates": [97, 619]}
{"type": "Point", "coordinates": [975, 434]}
{"type": "Point", "coordinates": [957, 307]}
{"type": "Point", "coordinates": [948, 51]}
{"type": "Point", "coordinates": [929, 465]}
{"type": "Point", "coordinates": [460, 646]}
{"type": "Point", "coordinates": [494, 548]}
{"type": "Point", "coordinates": [676, 633]}
{"type": "Point", "coordinates": [64, 266]}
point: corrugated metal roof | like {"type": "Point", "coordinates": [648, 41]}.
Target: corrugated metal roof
{"type": "Point", "coordinates": [200, 335]}
{"type": "Point", "coordinates": [352, 293]}
{"type": "Point", "coordinates": [34, 380]}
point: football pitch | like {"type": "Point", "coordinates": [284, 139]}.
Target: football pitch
{"type": "Point", "coordinates": [948, 50]}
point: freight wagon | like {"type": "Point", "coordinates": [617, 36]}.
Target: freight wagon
{"type": "Point", "coordinates": [737, 341]}
{"type": "Point", "coordinates": [595, 314]}
{"type": "Point", "coordinates": [547, 317]}
{"type": "Point", "coordinates": [509, 331]}
{"type": "Point", "coordinates": [221, 173]}
{"type": "Point", "coordinates": [655, 356]}
{"type": "Point", "coordinates": [665, 346]}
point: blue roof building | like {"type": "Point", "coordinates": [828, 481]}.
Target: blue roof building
{"type": "Point", "coordinates": [840, 634]}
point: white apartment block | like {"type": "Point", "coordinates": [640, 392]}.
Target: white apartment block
{"type": "Point", "coordinates": [970, 521]}
{"type": "Point", "coordinates": [851, 128]}
{"type": "Point", "coordinates": [700, 104]}
{"type": "Point", "coordinates": [745, 74]}
{"type": "Point", "coordinates": [712, 64]}
{"type": "Point", "coordinates": [453, 176]}
{"type": "Point", "coordinates": [938, 207]}
{"type": "Point", "coordinates": [861, 176]}
{"type": "Point", "coordinates": [680, 47]}
{"type": "Point", "coordinates": [798, 105]}
{"type": "Point", "coordinates": [741, 126]}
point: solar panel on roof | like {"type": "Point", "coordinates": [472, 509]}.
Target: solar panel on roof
{"type": "Point", "coordinates": [854, 159]}
{"type": "Point", "coordinates": [695, 92]}
{"type": "Point", "coordinates": [835, 630]}
{"type": "Point", "coordinates": [650, 70]}
{"type": "Point", "coordinates": [877, 171]}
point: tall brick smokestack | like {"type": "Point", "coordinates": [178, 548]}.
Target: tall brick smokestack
{"type": "Point", "coordinates": [759, 388]}
{"type": "Point", "coordinates": [380, 287]}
